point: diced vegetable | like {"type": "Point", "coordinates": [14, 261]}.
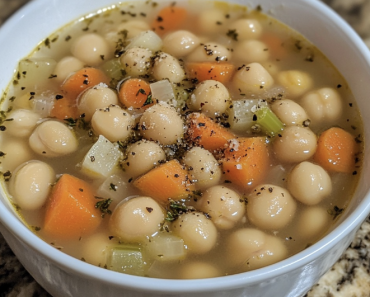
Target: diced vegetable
{"type": "Point", "coordinates": [135, 93]}
{"type": "Point", "coordinates": [162, 91]}
{"type": "Point", "coordinates": [81, 80]}
{"type": "Point", "coordinates": [246, 161]}
{"type": "Point", "coordinates": [168, 180]}
{"type": "Point", "coordinates": [147, 39]}
{"type": "Point", "coordinates": [70, 210]}
{"type": "Point", "coordinates": [169, 18]}
{"type": "Point", "coordinates": [268, 121]}
{"type": "Point", "coordinates": [42, 103]}
{"type": "Point", "coordinates": [204, 132]}
{"type": "Point", "coordinates": [220, 71]}
{"type": "Point", "coordinates": [35, 72]}
{"type": "Point", "coordinates": [241, 114]}
{"type": "Point", "coordinates": [113, 69]}
{"type": "Point", "coordinates": [166, 247]}
{"type": "Point", "coordinates": [101, 160]}
{"type": "Point", "coordinates": [64, 108]}
{"type": "Point", "coordinates": [126, 259]}
{"type": "Point", "coordinates": [114, 187]}
{"type": "Point", "coordinates": [336, 149]}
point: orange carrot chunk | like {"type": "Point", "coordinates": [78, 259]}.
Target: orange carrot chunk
{"type": "Point", "coordinates": [246, 161]}
{"type": "Point", "coordinates": [81, 80]}
{"type": "Point", "coordinates": [70, 211]}
{"type": "Point", "coordinates": [169, 180]}
{"type": "Point", "coordinates": [169, 18]}
{"type": "Point", "coordinates": [336, 149]}
{"type": "Point", "coordinates": [219, 71]}
{"type": "Point", "coordinates": [204, 132]}
{"type": "Point", "coordinates": [135, 93]}
{"type": "Point", "coordinates": [64, 108]}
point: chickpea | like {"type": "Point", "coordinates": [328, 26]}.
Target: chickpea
{"type": "Point", "coordinates": [209, 52]}
{"type": "Point", "coordinates": [142, 156]}
{"type": "Point", "coordinates": [295, 82]}
{"type": "Point", "coordinates": [23, 122]}
{"type": "Point", "coordinates": [198, 232]}
{"type": "Point", "coordinates": [53, 139]}
{"type": "Point", "coordinates": [250, 249]}
{"type": "Point", "coordinates": [323, 105]}
{"type": "Point", "coordinates": [248, 51]}
{"type": "Point", "coordinates": [90, 48]}
{"type": "Point", "coordinates": [270, 207]}
{"type": "Point", "coordinates": [31, 183]}
{"type": "Point", "coordinates": [309, 183]}
{"type": "Point", "coordinates": [136, 219]}
{"type": "Point", "coordinates": [95, 98]}
{"type": "Point", "coordinates": [96, 247]}
{"type": "Point", "coordinates": [180, 43]}
{"type": "Point", "coordinates": [208, 21]}
{"type": "Point", "coordinates": [203, 167]}
{"type": "Point", "coordinates": [161, 123]}
{"type": "Point", "coordinates": [113, 122]}
{"type": "Point", "coordinates": [313, 221]}
{"type": "Point", "coordinates": [199, 270]}
{"type": "Point", "coordinates": [133, 27]}
{"type": "Point", "coordinates": [289, 112]}
{"type": "Point", "coordinates": [211, 97]}
{"type": "Point", "coordinates": [224, 206]}
{"type": "Point", "coordinates": [136, 61]}
{"type": "Point", "coordinates": [295, 144]}
{"type": "Point", "coordinates": [66, 66]}
{"type": "Point", "coordinates": [168, 67]}
{"type": "Point", "coordinates": [16, 152]}
{"type": "Point", "coordinates": [252, 79]}
{"type": "Point", "coordinates": [246, 29]}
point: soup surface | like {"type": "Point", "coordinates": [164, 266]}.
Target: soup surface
{"type": "Point", "coordinates": [179, 140]}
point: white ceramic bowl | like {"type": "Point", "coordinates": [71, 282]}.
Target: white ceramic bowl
{"type": "Point", "coordinates": [63, 275]}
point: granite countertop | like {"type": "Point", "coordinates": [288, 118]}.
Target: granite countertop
{"type": "Point", "coordinates": [349, 277]}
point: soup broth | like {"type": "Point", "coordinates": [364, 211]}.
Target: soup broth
{"type": "Point", "coordinates": [179, 140]}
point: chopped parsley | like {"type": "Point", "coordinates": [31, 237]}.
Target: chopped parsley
{"type": "Point", "coordinates": [103, 206]}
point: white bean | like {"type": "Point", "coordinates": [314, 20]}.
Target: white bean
{"type": "Point", "coordinates": [113, 122]}
{"type": "Point", "coordinates": [252, 79]}
{"type": "Point", "coordinates": [198, 232]}
{"type": "Point", "coordinates": [309, 183]}
{"type": "Point", "coordinates": [203, 167]}
{"type": "Point", "coordinates": [180, 43]}
{"type": "Point", "coordinates": [168, 67]}
{"type": "Point", "coordinates": [31, 183]}
{"type": "Point", "coordinates": [22, 123]}
{"type": "Point", "coordinates": [161, 123]}
{"type": "Point", "coordinates": [95, 98]}
{"type": "Point", "coordinates": [210, 52]}
{"type": "Point", "coordinates": [295, 82]}
{"type": "Point", "coordinates": [289, 112]}
{"type": "Point", "coordinates": [91, 48]}
{"type": "Point", "coordinates": [199, 270]}
{"type": "Point", "coordinates": [270, 207]}
{"type": "Point", "coordinates": [16, 152]}
{"type": "Point", "coordinates": [248, 51]}
{"type": "Point", "coordinates": [136, 61]}
{"type": "Point", "coordinates": [66, 66]}
{"type": "Point", "coordinates": [210, 20]}
{"type": "Point", "coordinates": [313, 221]}
{"type": "Point", "coordinates": [95, 249]}
{"type": "Point", "coordinates": [142, 156]}
{"type": "Point", "coordinates": [211, 97]}
{"type": "Point", "coordinates": [224, 206]}
{"type": "Point", "coordinates": [323, 105]}
{"type": "Point", "coordinates": [136, 219]}
{"type": "Point", "coordinates": [53, 139]}
{"type": "Point", "coordinates": [295, 144]}
{"type": "Point", "coordinates": [246, 29]}
{"type": "Point", "coordinates": [133, 27]}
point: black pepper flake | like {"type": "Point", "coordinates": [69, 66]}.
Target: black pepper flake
{"type": "Point", "coordinates": [149, 209]}
{"type": "Point", "coordinates": [350, 104]}
{"type": "Point", "coordinates": [81, 190]}
{"type": "Point", "coordinates": [7, 175]}
{"type": "Point", "coordinates": [86, 82]}
{"type": "Point", "coordinates": [2, 154]}
{"type": "Point", "coordinates": [92, 158]}
{"type": "Point", "coordinates": [68, 38]}
{"type": "Point", "coordinates": [130, 180]}
{"type": "Point", "coordinates": [176, 175]}
{"type": "Point", "coordinates": [57, 97]}
{"type": "Point", "coordinates": [354, 172]}
{"type": "Point", "coordinates": [102, 57]}
{"type": "Point", "coordinates": [2, 128]}
{"type": "Point", "coordinates": [159, 19]}
{"type": "Point", "coordinates": [53, 76]}
{"type": "Point", "coordinates": [339, 86]}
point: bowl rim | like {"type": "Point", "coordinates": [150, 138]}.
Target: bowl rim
{"type": "Point", "coordinates": [68, 263]}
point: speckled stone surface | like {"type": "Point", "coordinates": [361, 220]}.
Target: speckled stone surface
{"type": "Point", "coordinates": [349, 277]}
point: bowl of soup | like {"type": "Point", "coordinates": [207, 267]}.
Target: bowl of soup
{"type": "Point", "coordinates": [158, 148]}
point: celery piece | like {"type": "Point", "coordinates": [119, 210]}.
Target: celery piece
{"type": "Point", "coordinates": [268, 121]}
{"type": "Point", "coordinates": [162, 91]}
{"type": "Point", "coordinates": [36, 72]}
{"type": "Point", "coordinates": [126, 259]}
{"type": "Point", "coordinates": [166, 247]}
{"type": "Point", "coordinates": [113, 69]}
